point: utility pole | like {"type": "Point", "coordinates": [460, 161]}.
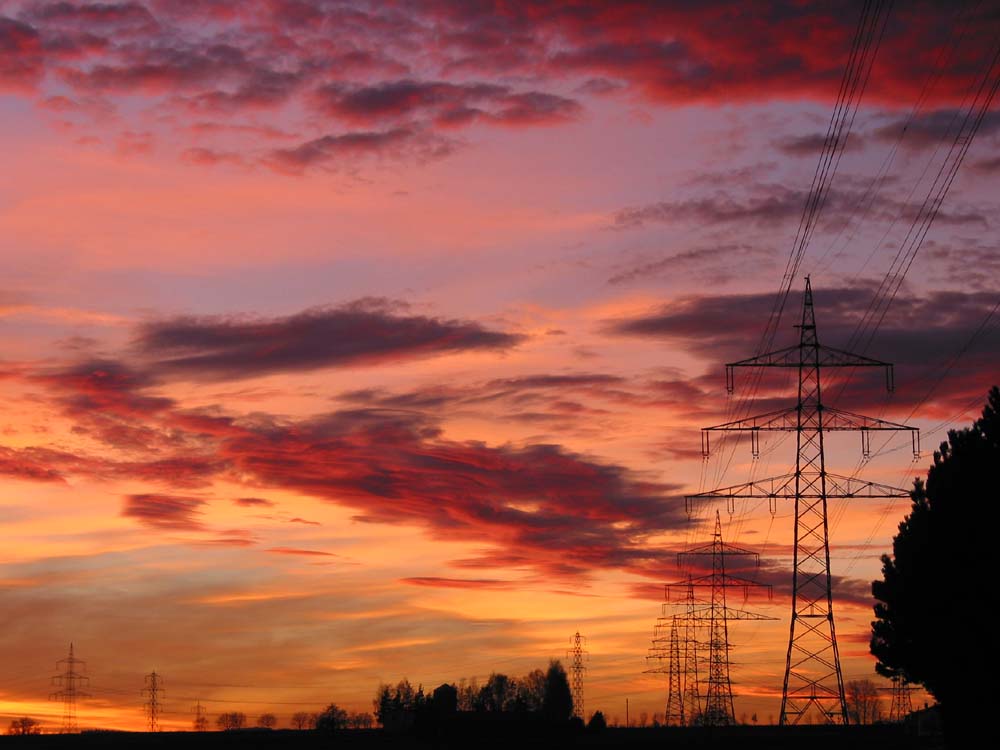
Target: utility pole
{"type": "Point", "coordinates": [813, 679]}
{"type": "Point", "coordinates": [577, 668]}
{"type": "Point", "coordinates": [70, 679]}
{"type": "Point", "coordinates": [152, 689]}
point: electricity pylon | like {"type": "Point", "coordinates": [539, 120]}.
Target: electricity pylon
{"type": "Point", "coordinates": [813, 677]}
{"type": "Point", "coordinates": [675, 648]}
{"type": "Point", "coordinates": [200, 720]}
{"type": "Point", "coordinates": [152, 689]}
{"type": "Point", "coordinates": [901, 705]}
{"type": "Point", "coordinates": [718, 708]}
{"type": "Point", "coordinates": [577, 668]}
{"type": "Point", "coordinates": [71, 679]}
{"type": "Point", "coordinates": [668, 648]}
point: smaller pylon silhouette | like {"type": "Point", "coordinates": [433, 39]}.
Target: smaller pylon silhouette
{"type": "Point", "coordinates": [690, 678]}
{"type": "Point", "coordinates": [718, 707]}
{"type": "Point", "coordinates": [200, 720]}
{"type": "Point", "coordinates": [675, 647]}
{"type": "Point", "coordinates": [152, 690]}
{"type": "Point", "coordinates": [70, 679]}
{"type": "Point", "coordinates": [668, 647]}
{"type": "Point", "coordinates": [901, 706]}
{"type": "Point", "coordinates": [576, 655]}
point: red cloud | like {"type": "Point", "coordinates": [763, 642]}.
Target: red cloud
{"type": "Point", "coordinates": [446, 103]}
{"type": "Point", "coordinates": [363, 332]}
{"type": "Point", "coordinates": [458, 583]}
{"type": "Point", "coordinates": [164, 511]}
{"type": "Point", "coordinates": [540, 504]}
{"type": "Point", "coordinates": [296, 551]}
{"type": "Point", "coordinates": [21, 60]}
{"type": "Point", "coordinates": [357, 64]}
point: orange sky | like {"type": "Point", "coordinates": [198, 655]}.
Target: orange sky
{"type": "Point", "coordinates": [347, 342]}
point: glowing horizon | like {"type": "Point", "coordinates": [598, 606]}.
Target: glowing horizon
{"type": "Point", "coordinates": [347, 342]}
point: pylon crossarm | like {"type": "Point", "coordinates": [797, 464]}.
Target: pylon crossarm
{"type": "Point", "coordinates": [730, 614]}
{"type": "Point", "coordinates": [803, 356]}
{"type": "Point", "coordinates": [711, 549]}
{"type": "Point", "coordinates": [774, 487]}
{"type": "Point", "coordinates": [733, 582]}
{"type": "Point", "coordinates": [783, 488]}
{"type": "Point", "coordinates": [793, 356]}
{"type": "Point", "coordinates": [839, 486]}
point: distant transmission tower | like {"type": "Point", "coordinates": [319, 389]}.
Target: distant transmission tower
{"type": "Point", "coordinates": [153, 688]}
{"type": "Point", "coordinates": [200, 720]}
{"type": "Point", "coordinates": [718, 708]}
{"type": "Point", "coordinates": [813, 679]}
{"type": "Point", "coordinates": [690, 679]}
{"type": "Point", "coordinates": [577, 654]}
{"type": "Point", "coordinates": [668, 648]}
{"type": "Point", "coordinates": [901, 706]}
{"type": "Point", "coordinates": [70, 679]}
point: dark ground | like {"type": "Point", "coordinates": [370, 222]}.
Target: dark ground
{"type": "Point", "coordinates": [882, 737]}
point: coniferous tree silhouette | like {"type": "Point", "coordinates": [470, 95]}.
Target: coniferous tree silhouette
{"type": "Point", "coordinates": [926, 619]}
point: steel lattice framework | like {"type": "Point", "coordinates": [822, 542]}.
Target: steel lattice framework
{"type": "Point", "coordinates": [901, 706]}
{"type": "Point", "coordinates": [577, 655]}
{"type": "Point", "coordinates": [152, 690]}
{"type": "Point", "coordinates": [813, 678]}
{"type": "Point", "coordinates": [667, 647]}
{"type": "Point", "coordinates": [690, 676]}
{"type": "Point", "coordinates": [71, 679]}
{"type": "Point", "coordinates": [675, 646]}
{"type": "Point", "coordinates": [718, 707]}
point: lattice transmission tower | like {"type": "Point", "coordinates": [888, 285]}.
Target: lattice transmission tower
{"type": "Point", "coordinates": [690, 675]}
{"type": "Point", "coordinates": [200, 723]}
{"type": "Point", "coordinates": [153, 689]}
{"type": "Point", "coordinates": [901, 706]}
{"type": "Point", "coordinates": [577, 655]}
{"type": "Point", "coordinates": [666, 650]}
{"type": "Point", "coordinates": [718, 706]}
{"type": "Point", "coordinates": [813, 681]}
{"type": "Point", "coordinates": [675, 649]}
{"type": "Point", "coordinates": [71, 679]}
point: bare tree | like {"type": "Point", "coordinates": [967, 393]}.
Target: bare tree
{"type": "Point", "coordinates": [862, 701]}
{"type": "Point", "coordinates": [24, 725]}
{"type": "Point", "coordinates": [267, 721]}
{"type": "Point", "coordinates": [302, 720]}
{"type": "Point", "coordinates": [360, 720]}
{"type": "Point", "coordinates": [231, 720]}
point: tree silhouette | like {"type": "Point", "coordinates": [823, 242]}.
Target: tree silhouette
{"type": "Point", "coordinates": [498, 694]}
{"type": "Point", "coordinates": [597, 722]}
{"type": "Point", "coordinates": [231, 720]}
{"type": "Point", "coordinates": [360, 720]}
{"type": "Point", "coordinates": [862, 701]}
{"type": "Point", "coordinates": [302, 720]}
{"type": "Point", "coordinates": [331, 719]}
{"type": "Point", "coordinates": [24, 725]}
{"type": "Point", "coordinates": [927, 593]}
{"type": "Point", "coordinates": [557, 705]}
{"type": "Point", "coordinates": [267, 721]}
{"type": "Point", "coordinates": [531, 691]}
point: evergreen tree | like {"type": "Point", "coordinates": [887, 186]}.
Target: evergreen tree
{"type": "Point", "coordinates": [927, 596]}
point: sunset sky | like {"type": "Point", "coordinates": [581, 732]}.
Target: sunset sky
{"type": "Point", "coordinates": [344, 342]}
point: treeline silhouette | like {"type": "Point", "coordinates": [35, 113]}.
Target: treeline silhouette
{"type": "Point", "coordinates": [541, 700]}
